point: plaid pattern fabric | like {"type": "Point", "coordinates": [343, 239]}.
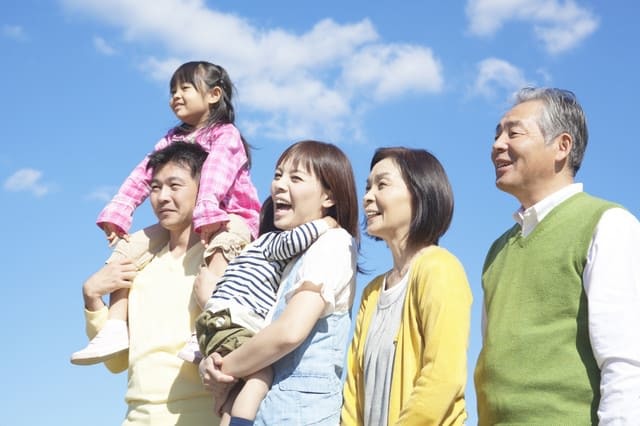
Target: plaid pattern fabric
{"type": "Point", "coordinates": [225, 183]}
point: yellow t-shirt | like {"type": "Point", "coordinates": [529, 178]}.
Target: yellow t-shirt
{"type": "Point", "coordinates": [162, 389]}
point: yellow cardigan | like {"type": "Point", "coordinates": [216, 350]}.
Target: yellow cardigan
{"type": "Point", "coordinates": [430, 365]}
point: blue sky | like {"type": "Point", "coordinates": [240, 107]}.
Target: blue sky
{"type": "Point", "coordinates": [85, 97]}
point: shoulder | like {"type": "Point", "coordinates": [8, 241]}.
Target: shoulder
{"type": "Point", "coordinates": [617, 220]}
{"type": "Point", "coordinates": [225, 130]}
{"type": "Point", "coordinates": [335, 238]}
{"type": "Point", "coordinates": [436, 257]}
{"type": "Point", "coordinates": [373, 288]}
{"type": "Point", "coordinates": [226, 135]}
{"type": "Point", "coordinates": [441, 270]}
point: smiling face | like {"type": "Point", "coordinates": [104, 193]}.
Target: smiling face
{"type": "Point", "coordinates": [387, 202]}
{"type": "Point", "coordinates": [298, 196]}
{"type": "Point", "coordinates": [525, 165]}
{"type": "Point", "coordinates": [192, 106]}
{"type": "Point", "coordinates": [173, 196]}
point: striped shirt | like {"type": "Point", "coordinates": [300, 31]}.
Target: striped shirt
{"type": "Point", "coordinates": [225, 184]}
{"type": "Point", "coordinates": [252, 278]}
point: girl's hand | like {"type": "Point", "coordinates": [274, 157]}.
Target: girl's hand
{"type": "Point", "coordinates": [331, 222]}
{"type": "Point", "coordinates": [113, 233]}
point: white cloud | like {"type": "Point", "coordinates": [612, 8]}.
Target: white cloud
{"type": "Point", "coordinates": [15, 32]}
{"type": "Point", "coordinates": [103, 47]}
{"type": "Point", "coordinates": [26, 180]}
{"type": "Point", "coordinates": [393, 70]}
{"type": "Point", "coordinates": [102, 193]}
{"type": "Point", "coordinates": [497, 78]}
{"type": "Point", "coordinates": [560, 25]}
{"type": "Point", "coordinates": [298, 82]}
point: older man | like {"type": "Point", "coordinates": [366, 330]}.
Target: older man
{"type": "Point", "coordinates": [562, 286]}
{"type": "Point", "coordinates": [162, 388]}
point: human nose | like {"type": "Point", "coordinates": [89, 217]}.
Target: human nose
{"type": "Point", "coordinates": [367, 198]}
{"type": "Point", "coordinates": [499, 145]}
{"type": "Point", "coordinates": [163, 193]}
{"type": "Point", "coordinates": [277, 185]}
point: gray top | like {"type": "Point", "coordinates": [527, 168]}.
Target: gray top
{"type": "Point", "coordinates": [379, 352]}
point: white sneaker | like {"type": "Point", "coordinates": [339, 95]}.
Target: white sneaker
{"type": "Point", "coordinates": [111, 340]}
{"type": "Point", "coordinates": [191, 351]}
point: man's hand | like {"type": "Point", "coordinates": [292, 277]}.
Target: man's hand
{"type": "Point", "coordinates": [112, 276]}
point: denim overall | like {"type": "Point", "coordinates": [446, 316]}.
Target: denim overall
{"type": "Point", "coordinates": [307, 384]}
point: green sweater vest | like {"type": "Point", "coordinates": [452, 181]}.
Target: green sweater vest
{"type": "Point", "coordinates": [537, 366]}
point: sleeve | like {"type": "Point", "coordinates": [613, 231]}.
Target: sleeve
{"type": "Point", "coordinates": [226, 159]}
{"type": "Point", "coordinates": [94, 321]}
{"type": "Point", "coordinates": [442, 302]}
{"type": "Point", "coordinates": [330, 265]}
{"type": "Point", "coordinates": [353, 392]}
{"type": "Point", "coordinates": [134, 190]}
{"type": "Point", "coordinates": [612, 284]}
{"type": "Point", "coordinates": [288, 244]}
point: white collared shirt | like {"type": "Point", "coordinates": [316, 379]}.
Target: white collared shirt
{"type": "Point", "coordinates": [611, 280]}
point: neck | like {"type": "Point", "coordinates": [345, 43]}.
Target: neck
{"type": "Point", "coordinates": [402, 258]}
{"type": "Point", "coordinates": [181, 240]}
{"type": "Point", "coordinates": [530, 198]}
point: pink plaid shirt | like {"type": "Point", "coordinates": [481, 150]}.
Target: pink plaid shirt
{"type": "Point", "coordinates": [225, 184]}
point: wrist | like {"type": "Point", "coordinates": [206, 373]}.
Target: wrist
{"type": "Point", "coordinates": [92, 301]}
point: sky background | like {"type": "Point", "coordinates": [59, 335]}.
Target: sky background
{"type": "Point", "coordinates": [85, 97]}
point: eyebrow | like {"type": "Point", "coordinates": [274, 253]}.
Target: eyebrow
{"type": "Point", "coordinates": [169, 180]}
{"type": "Point", "coordinates": [500, 127]}
{"type": "Point", "coordinates": [378, 177]}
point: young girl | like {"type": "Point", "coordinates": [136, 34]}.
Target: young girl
{"type": "Point", "coordinates": [306, 342]}
{"type": "Point", "coordinates": [227, 209]}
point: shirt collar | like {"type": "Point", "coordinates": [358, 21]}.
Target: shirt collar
{"type": "Point", "coordinates": [531, 217]}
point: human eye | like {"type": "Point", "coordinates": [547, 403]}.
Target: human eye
{"type": "Point", "coordinates": [155, 187]}
{"type": "Point", "coordinates": [277, 175]}
{"type": "Point", "coordinates": [514, 133]}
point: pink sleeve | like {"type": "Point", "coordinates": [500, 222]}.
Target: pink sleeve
{"type": "Point", "coordinates": [225, 161]}
{"type": "Point", "coordinates": [131, 194]}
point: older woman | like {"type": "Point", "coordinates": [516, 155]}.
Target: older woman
{"type": "Point", "coordinates": [407, 360]}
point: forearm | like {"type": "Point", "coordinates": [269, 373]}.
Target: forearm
{"type": "Point", "coordinates": [277, 339]}
{"type": "Point", "coordinates": [288, 244]}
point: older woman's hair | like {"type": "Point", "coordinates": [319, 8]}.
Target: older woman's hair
{"type": "Point", "coordinates": [561, 113]}
{"type": "Point", "coordinates": [431, 194]}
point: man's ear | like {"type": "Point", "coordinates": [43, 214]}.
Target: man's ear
{"type": "Point", "coordinates": [213, 95]}
{"type": "Point", "coordinates": [564, 144]}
